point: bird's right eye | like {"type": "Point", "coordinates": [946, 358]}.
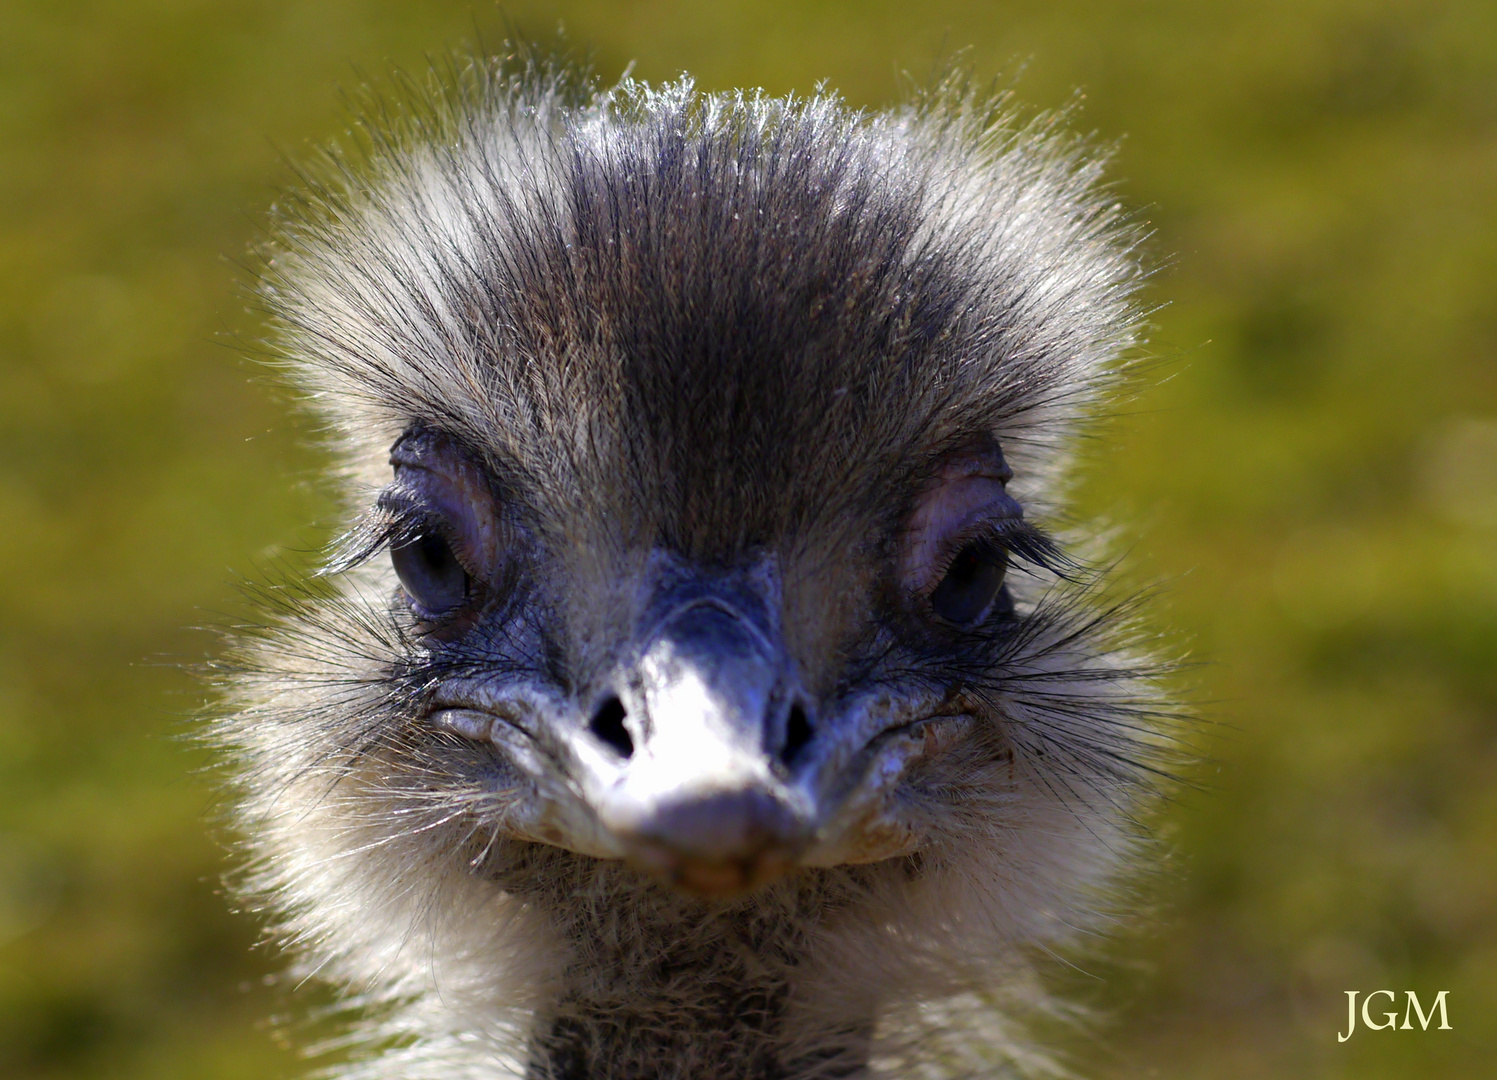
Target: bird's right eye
{"type": "Point", "coordinates": [434, 580]}
{"type": "Point", "coordinates": [446, 540]}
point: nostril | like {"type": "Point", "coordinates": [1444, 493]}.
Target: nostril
{"type": "Point", "coordinates": [797, 734]}
{"type": "Point", "coordinates": [608, 725]}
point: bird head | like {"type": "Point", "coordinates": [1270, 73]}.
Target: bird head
{"type": "Point", "coordinates": [701, 450]}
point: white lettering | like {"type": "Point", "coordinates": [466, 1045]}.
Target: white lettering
{"type": "Point", "coordinates": [1413, 1003]}
{"type": "Point", "coordinates": [1351, 1016]}
{"type": "Point", "coordinates": [1392, 1016]}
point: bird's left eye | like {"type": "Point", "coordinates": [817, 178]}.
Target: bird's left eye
{"type": "Point", "coordinates": [971, 583]}
{"type": "Point", "coordinates": [433, 578]}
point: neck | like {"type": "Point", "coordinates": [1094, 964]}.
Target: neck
{"type": "Point", "coordinates": [739, 1036]}
{"type": "Point", "coordinates": [658, 986]}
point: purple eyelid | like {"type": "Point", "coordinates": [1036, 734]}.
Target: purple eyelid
{"type": "Point", "coordinates": [946, 517]}
{"type": "Point", "coordinates": [461, 501]}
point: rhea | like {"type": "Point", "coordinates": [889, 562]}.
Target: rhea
{"type": "Point", "coordinates": [705, 685]}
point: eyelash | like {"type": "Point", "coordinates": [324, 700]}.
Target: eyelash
{"type": "Point", "coordinates": [1015, 538]}
{"type": "Point", "coordinates": [391, 521]}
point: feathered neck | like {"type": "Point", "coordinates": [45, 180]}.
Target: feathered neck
{"type": "Point", "coordinates": [656, 986]}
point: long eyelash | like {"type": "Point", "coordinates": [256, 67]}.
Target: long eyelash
{"type": "Point", "coordinates": [1018, 539]}
{"type": "Point", "coordinates": [389, 523]}
{"type": "Point", "coordinates": [1035, 546]}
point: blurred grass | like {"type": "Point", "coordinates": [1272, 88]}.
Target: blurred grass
{"type": "Point", "coordinates": [1317, 480]}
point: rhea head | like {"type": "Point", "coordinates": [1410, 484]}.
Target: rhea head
{"type": "Point", "coordinates": [701, 602]}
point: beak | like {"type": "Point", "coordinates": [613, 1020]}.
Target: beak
{"type": "Point", "coordinates": [684, 762]}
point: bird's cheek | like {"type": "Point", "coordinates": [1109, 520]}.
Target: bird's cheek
{"type": "Point", "coordinates": [881, 820]}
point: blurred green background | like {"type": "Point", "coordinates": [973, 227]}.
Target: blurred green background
{"type": "Point", "coordinates": [1316, 478]}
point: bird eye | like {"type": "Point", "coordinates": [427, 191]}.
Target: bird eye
{"type": "Point", "coordinates": [971, 583]}
{"type": "Point", "coordinates": [433, 578]}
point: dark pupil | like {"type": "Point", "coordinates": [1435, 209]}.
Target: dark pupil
{"type": "Point", "coordinates": [433, 578]}
{"type": "Point", "coordinates": [970, 584]}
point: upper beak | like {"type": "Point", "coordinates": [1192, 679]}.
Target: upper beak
{"type": "Point", "coordinates": [684, 763]}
